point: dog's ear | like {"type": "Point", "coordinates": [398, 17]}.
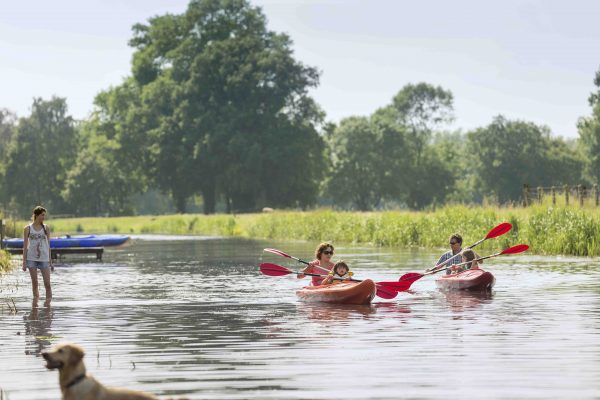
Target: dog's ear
{"type": "Point", "coordinates": [76, 353]}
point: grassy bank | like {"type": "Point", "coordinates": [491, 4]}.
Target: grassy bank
{"type": "Point", "coordinates": [5, 265]}
{"type": "Point", "coordinates": [558, 230]}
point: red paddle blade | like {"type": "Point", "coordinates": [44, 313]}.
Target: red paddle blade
{"type": "Point", "coordinates": [411, 276]}
{"type": "Point", "coordinates": [396, 286]}
{"type": "Point", "coordinates": [385, 292]}
{"type": "Point", "coordinates": [499, 230]}
{"type": "Point", "coordinates": [515, 249]}
{"type": "Point", "coordinates": [274, 269]}
{"type": "Point", "coordinates": [278, 252]}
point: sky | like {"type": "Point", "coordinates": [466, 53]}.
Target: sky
{"type": "Point", "coordinates": [528, 60]}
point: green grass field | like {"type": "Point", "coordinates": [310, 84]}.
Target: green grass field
{"type": "Point", "coordinates": [548, 230]}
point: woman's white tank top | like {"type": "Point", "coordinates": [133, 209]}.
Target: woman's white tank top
{"type": "Point", "coordinates": [38, 248]}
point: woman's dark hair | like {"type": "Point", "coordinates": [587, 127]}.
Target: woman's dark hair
{"type": "Point", "coordinates": [338, 265]}
{"type": "Point", "coordinates": [321, 248]}
{"type": "Point", "coordinates": [36, 212]}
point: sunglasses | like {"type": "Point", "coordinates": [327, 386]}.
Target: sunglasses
{"type": "Point", "coordinates": [328, 252]}
{"type": "Point", "coordinates": [453, 242]}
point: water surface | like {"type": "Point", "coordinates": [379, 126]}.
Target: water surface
{"type": "Point", "coordinates": [193, 317]}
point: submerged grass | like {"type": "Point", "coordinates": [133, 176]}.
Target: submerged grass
{"type": "Point", "coordinates": [548, 230]}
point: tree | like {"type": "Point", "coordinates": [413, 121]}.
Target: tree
{"type": "Point", "coordinates": [237, 101]}
{"type": "Point", "coordinates": [95, 184]}
{"type": "Point", "coordinates": [356, 165]}
{"type": "Point", "coordinates": [589, 135]}
{"type": "Point", "coordinates": [42, 150]}
{"type": "Point", "coordinates": [416, 176]}
{"type": "Point", "coordinates": [506, 154]}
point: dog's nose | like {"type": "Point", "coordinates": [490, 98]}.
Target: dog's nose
{"type": "Point", "coordinates": [45, 355]}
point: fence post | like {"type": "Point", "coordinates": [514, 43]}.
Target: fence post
{"type": "Point", "coordinates": [580, 193]}
{"type": "Point", "coordinates": [566, 194]}
{"type": "Point", "coordinates": [596, 194]}
{"type": "Point", "coordinates": [553, 191]}
{"type": "Point", "coordinates": [540, 194]}
{"type": "Point", "coordinates": [1, 234]}
{"type": "Point", "coordinates": [525, 195]}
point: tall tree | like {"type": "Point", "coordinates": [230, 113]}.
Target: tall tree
{"type": "Point", "coordinates": [237, 100]}
{"type": "Point", "coordinates": [507, 154]}
{"type": "Point", "coordinates": [39, 156]}
{"type": "Point", "coordinates": [589, 134]}
{"type": "Point", "coordinates": [356, 176]}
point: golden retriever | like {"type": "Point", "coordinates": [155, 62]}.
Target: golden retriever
{"type": "Point", "coordinates": [76, 384]}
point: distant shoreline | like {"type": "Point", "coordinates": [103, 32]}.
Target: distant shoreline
{"type": "Point", "coordinates": [548, 230]}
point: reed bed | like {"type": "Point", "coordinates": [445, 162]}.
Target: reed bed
{"type": "Point", "coordinates": [566, 230]}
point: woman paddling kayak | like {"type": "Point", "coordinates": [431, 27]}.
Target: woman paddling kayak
{"type": "Point", "coordinates": [321, 265]}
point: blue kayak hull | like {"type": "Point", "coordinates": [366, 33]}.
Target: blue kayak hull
{"type": "Point", "coordinates": [75, 241]}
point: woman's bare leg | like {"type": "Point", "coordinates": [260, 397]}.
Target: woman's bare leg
{"type": "Point", "coordinates": [46, 276]}
{"type": "Point", "coordinates": [34, 282]}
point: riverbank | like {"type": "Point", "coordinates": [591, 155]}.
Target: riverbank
{"type": "Point", "coordinates": [548, 230]}
{"type": "Point", "coordinates": [5, 264]}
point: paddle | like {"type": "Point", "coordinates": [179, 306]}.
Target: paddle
{"type": "Point", "coordinates": [281, 253]}
{"type": "Point", "coordinates": [511, 250]}
{"type": "Point", "coordinates": [498, 230]}
{"type": "Point", "coordinates": [387, 290]}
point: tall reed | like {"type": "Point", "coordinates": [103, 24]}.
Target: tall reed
{"type": "Point", "coordinates": [547, 229]}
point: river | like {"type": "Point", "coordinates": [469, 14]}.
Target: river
{"type": "Point", "coordinates": [193, 317]}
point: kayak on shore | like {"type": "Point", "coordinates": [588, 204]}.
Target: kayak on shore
{"type": "Point", "coordinates": [75, 241]}
{"type": "Point", "coordinates": [472, 279]}
{"type": "Point", "coordinates": [353, 292]}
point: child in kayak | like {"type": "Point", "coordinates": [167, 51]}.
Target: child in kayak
{"type": "Point", "coordinates": [467, 256]}
{"type": "Point", "coordinates": [339, 272]}
{"type": "Point", "coordinates": [322, 265]}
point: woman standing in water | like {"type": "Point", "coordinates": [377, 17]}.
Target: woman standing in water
{"type": "Point", "coordinates": [36, 252]}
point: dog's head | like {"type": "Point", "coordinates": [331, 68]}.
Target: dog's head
{"type": "Point", "coordinates": [63, 354]}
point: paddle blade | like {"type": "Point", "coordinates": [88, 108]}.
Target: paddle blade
{"type": "Point", "coordinates": [411, 276]}
{"type": "Point", "coordinates": [396, 286]}
{"type": "Point", "coordinates": [515, 249]}
{"type": "Point", "coordinates": [278, 252]}
{"type": "Point", "coordinates": [499, 230]}
{"type": "Point", "coordinates": [385, 292]}
{"type": "Point", "coordinates": [274, 269]}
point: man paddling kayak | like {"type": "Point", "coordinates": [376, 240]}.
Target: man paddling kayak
{"type": "Point", "coordinates": [455, 248]}
{"type": "Point", "coordinates": [321, 265]}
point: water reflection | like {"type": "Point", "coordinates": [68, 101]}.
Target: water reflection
{"type": "Point", "coordinates": [38, 323]}
{"type": "Point", "coordinates": [196, 319]}
{"type": "Point", "coordinates": [335, 312]}
{"type": "Point", "coordinates": [462, 300]}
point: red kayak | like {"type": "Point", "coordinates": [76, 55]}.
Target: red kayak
{"type": "Point", "coordinates": [360, 293]}
{"type": "Point", "coordinates": [472, 279]}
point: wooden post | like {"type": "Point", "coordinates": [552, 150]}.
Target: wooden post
{"type": "Point", "coordinates": [553, 190]}
{"type": "Point", "coordinates": [525, 195]}
{"type": "Point", "coordinates": [1, 234]}
{"type": "Point", "coordinates": [580, 190]}
{"type": "Point", "coordinates": [566, 194]}
{"type": "Point", "coordinates": [540, 194]}
{"type": "Point", "coordinates": [596, 194]}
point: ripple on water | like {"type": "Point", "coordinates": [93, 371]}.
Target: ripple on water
{"type": "Point", "coordinates": [193, 317]}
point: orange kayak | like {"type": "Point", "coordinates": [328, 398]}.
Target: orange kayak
{"type": "Point", "coordinates": [472, 279]}
{"type": "Point", "coordinates": [340, 293]}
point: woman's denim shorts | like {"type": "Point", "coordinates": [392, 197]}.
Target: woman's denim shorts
{"type": "Point", "coordinates": [37, 264]}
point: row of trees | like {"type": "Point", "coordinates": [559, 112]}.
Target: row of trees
{"type": "Point", "coordinates": [217, 108]}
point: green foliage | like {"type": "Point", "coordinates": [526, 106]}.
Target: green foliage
{"type": "Point", "coordinates": [548, 230]}
{"type": "Point", "coordinates": [41, 152]}
{"type": "Point", "coordinates": [507, 154]}
{"type": "Point", "coordinates": [589, 135]}
{"type": "Point", "coordinates": [5, 264]}
{"type": "Point", "coordinates": [225, 109]}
